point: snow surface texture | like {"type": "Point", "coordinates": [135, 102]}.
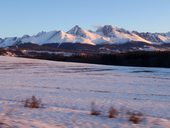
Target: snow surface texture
{"type": "Point", "coordinates": [67, 90]}
{"type": "Point", "coordinates": [104, 35]}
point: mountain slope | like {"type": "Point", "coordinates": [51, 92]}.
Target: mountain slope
{"type": "Point", "coordinates": [49, 37]}
{"type": "Point", "coordinates": [94, 37]}
{"type": "Point", "coordinates": [156, 38]}
{"type": "Point", "coordinates": [103, 35]}
{"type": "Point", "coordinates": [119, 35]}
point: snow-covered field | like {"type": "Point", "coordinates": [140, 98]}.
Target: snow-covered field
{"type": "Point", "coordinates": [68, 89]}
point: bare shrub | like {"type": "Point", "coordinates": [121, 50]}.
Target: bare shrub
{"type": "Point", "coordinates": [135, 117]}
{"type": "Point", "coordinates": [113, 113]}
{"type": "Point", "coordinates": [33, 102]}
{"type": "Point", "coordinates": [94, 109]}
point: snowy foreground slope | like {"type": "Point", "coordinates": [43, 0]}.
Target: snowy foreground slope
{"type": "Point", "coordinates": [67, 90]}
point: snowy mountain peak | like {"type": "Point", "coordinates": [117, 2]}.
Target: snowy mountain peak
{"type": "Point", "coordinates": [76, 30]}
{"type": "Point", "coordinates": [25, 36]}
{"type": "Point", "coordinates": [61, 32]}
{"type": "Point", "coordinates": [109, 30]}
{"type": "Point", "coordinates": [107, 34]}
{"type": "Point", "coordinates": [105, 29]}
{"type": "Point", "coordinates": [40, 33]}
{"type": "Point", "coordinates": [119, 35]}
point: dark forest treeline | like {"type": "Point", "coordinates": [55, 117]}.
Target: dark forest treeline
{"type": "Point", "coordinates": [139, 58]}
{"type": "Point", "coordinates": [143, 59]}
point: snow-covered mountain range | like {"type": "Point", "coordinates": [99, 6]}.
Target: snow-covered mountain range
{"type": "Point", "coordinates": [103, 35]}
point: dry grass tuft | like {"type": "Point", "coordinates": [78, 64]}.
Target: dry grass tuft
{"type": "Point", "coordinates": [113, 113]}
{"type": "Point", "coordinates": [135, 117]}
{"type": "Point", "coordinates": [33, 102]}
{"type": "Point", "coordinates": [94, 109]}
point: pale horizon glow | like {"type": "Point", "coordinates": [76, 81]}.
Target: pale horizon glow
{"type": "Point", "coordinates": [19, 17]}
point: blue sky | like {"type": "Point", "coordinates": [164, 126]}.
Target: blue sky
{"type": "Point", "coordinates": [20, 17]}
